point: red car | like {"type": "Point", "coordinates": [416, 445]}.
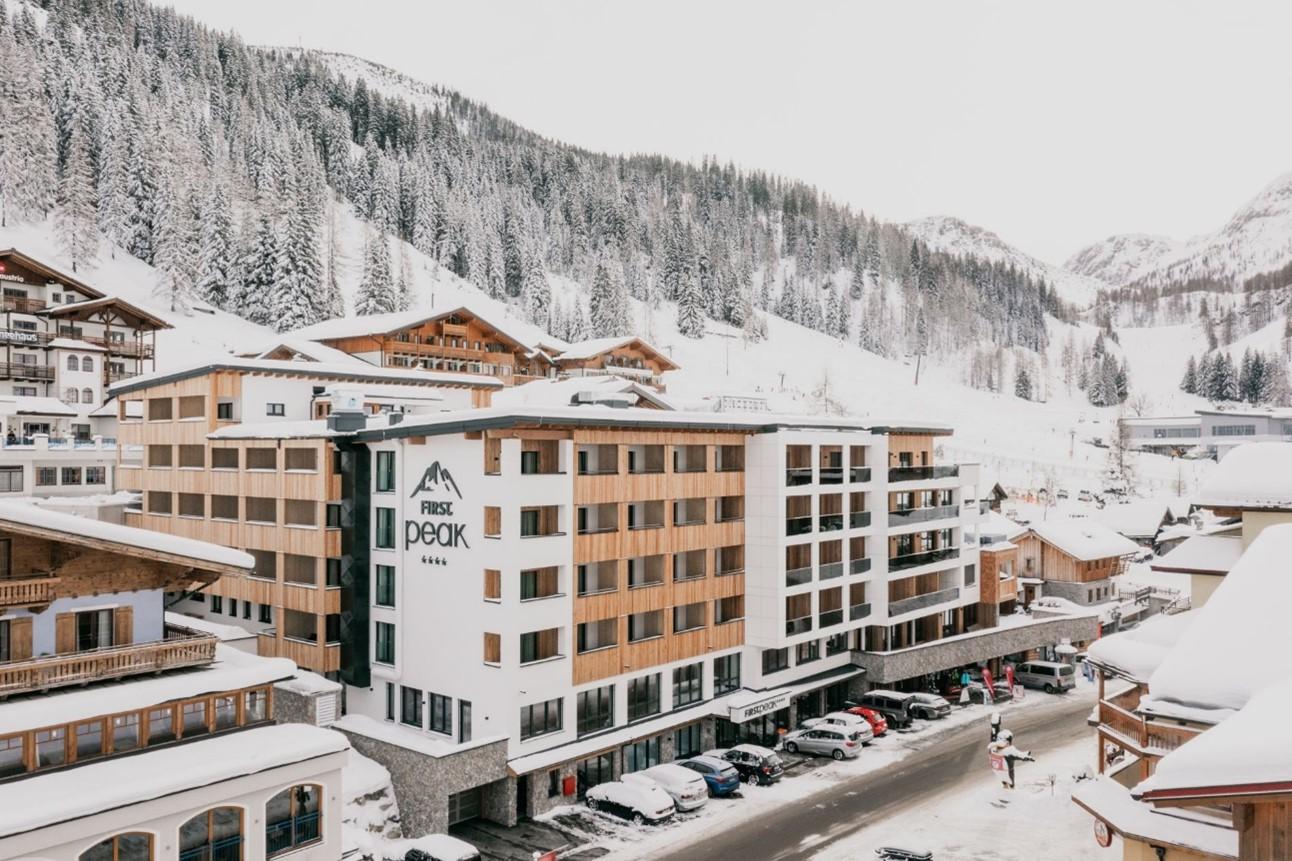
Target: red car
{"type": "Point", "coordinates": [878, 725]}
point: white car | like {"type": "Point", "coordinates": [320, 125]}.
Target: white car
{"type": "Point", "coordinates": [687, 788]}
{"type": "Point", "coordinates": [442, 847]}
{"type": "Point", "coordinates": [842, 720]}
{"type": "Point", "coordinates": [639, 801]}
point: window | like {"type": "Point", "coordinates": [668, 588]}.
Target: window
{"type": "Point", "coordinates": [688, 617]}
{"type": "Point", "coordinates": [192, 457]}
{"type": "Point", "coordinates": [596, 709]}
{"type": "Point", "coordinates": [193, 719]}
{"type": "Point", "coordinates": [262, 458]}
{"type": "Point", "coordinates": [807, 652]}
{"type": "Point", "coordinates": [159, 409]}
{"type": "Point", "coordinates": [233, 606]}
{"type": "Point", "coordinates": [87, 395]}
{"type": "Point", "coordinates": [385, 586]}
{"type": "Point", "coordinates": [300, 512]}
{"type": "Point", "coordinates": [554, 783]}
{"type": "Point", "coordinates": [641, 754]}
{"type": "Point", "coordinates": [87, 363]}
{"type": "Point", "coordinates": [51, 747]}
{"type": "Point", "coordinates": [217, 604]}
{"type": "Point", "coordinates": [390, 701]}
{"type": "Point", "coordinates": [332, 513]}
{"type": "Point", "coordinates": [71, 475]}
{"type": "Point", "coordinates": [593, 770]}
{"type": "Point", "coordinates": [224, 411]}
{"type": "Point", "coordinates": [441, 708]}
{"type": "Point", "coordinates": [262, 509]}
{"type": "Point", "coordinates": [125, 733]}
{"type": "Point", "coordinates": [159, 456]}
{"type": "Point", "coordinates": [410, 708]}
{"type": "Point", "coordinates": [266, 614]}
{"type": "Point", "coordinates": [46, 476]}
{"type": "Point", "coordinates": [224, 458]}
{"type": "Point", "coordinates": [687, 684]}
{"type": "Point", "coordinates": [89, 739]}
{"type": "Point", "coordinates": [134, 846]}
{"type": "Point", "coordinates": [192, 505]}
{"type": "Point", "coordinates": [73, 363]}
{"type": "Point", "coordinates": [686, 741]}
{"type": "Point", "coordinates": [726, 674]}
{"type": "Point", "coordinates": [217, 833]}
{"type": "Point", "coordinates": [226, 707]}
{"type": "Point", "coordinates": [292, 819]}
{"type": "Point", "coordinates": [385, 643]}
{"type": "Point", "coordinates": [386, 528]}
{"type": "Point", "coordinates": [529, 522]}
{"type": "Point", "coordinates": [224, 507]}
{"type": "Point", "coordinates": [464, 721]}
{"type": "Point", "coordinates": [93, 630]}
{"type": "Point", "coordinates": [643, 697]}
{"type": "Point", "coordinates": [385, 472]}
{"type": "Point", "coordinates": [971, 575]}
{"type": "Point", "coordinates": [836, 643]}
{"type": "Point", "coordinates": [300, 459]}
{"type": "Point", "coordinates": [332, 572]}
{"type": "Point", "coordinates": [275, 410]}
{"type": "Point", "coordinates": [192, 407]}
{"type": "Point", "coordinates": [95, 475]}
{"type": "Point", "coordinates": [529, 463]}
{"type": "Point", "coordinates": [775, 660]}
{"type": "Point", "coordinates": [299, 569]}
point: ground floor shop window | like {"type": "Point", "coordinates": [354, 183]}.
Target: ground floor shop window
{"type": "Point", "coordinates": [641, 754]}
{"type": "Point", "coordinates": [765, 729]}
{"type": "Point", "coordinates": [836, 696]}
{"type": "Point", "coordinates": [594, 770]}
{"type": "Point", "coordinates": [808, 705]}
{"type": "Point", "coordinates": [686, 741]}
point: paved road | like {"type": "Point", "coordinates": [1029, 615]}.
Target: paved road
{"type": "Point", "coordinates": [804, 827]}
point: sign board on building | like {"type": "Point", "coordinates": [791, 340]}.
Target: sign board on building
{"type": "Point", "coordinates": [773, 703]}
{"type": "Point", "coordinates": [440, 526]}
{"type": "Point", "coordinates": [17, 336]}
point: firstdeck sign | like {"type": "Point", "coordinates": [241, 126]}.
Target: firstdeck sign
{"type": "Point", "coordinates": [438, 526]}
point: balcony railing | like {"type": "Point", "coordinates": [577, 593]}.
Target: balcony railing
{"type": "Point", "coordinates": [830, 617]}
{"type": "Point", "coordinates": [919, 602]}
{"type": "Point", "coordinates": [858, 611]}
{"type": "Point", "coordinates": [796, 476]}
{"type": "Point", "coordinates": [798, 576]}
{"type": "Point", "coordinates": [122, 348]}
{"type": "Point", "coordinates": [112, 662]}
{"type": "Point", "coordinates": [798, 626]}
{"type": "Point", "coordinates": [831, 475]}
{"type": "Point", "coordinates": [922, 515]}
{"type": "Point", "coordinates": [859, 520]}
{"type": "Point", "coordinates": [830, 570]}
{"type": "Point", "coordinates": [859, 474]}
{"type": "Point", "coordinates": [830, 522]}
{"type": "Point", "coordinates": [921, 473]}
{"type": "Point", "coordinates": [798, 525]}
{"type": "Point", "coordinates": [24, 371]}
{"type": "Point", "coordinates": [22, 305]}
{"type": "Point", "coordinates": [859, 566]}
{"type": "Point", "coordinates": [27, 591]}
{"type": "Point", "coordinates": [912, 560]}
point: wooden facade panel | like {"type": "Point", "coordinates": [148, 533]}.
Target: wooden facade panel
{"type": "Point", "coordinates": [919, 446]}
{"type": "Point", "coordinates": [595, 489]}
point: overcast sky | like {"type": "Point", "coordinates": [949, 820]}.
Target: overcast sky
{"type": "Point", "coordinates": [1053, 124]}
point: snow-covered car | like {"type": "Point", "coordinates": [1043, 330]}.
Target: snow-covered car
{"type": "Point", "coordinates": [878, 724]}
{"type": "Point", "coordinates": [639, 801]}
{"type": "Point", "coordinates": [928, 706]}
{"type": "Point", "coordinates": [687, 789]}
{"type": "Point", "coordinates": [840, 742]}
{"type": "Point", "coordinates": [756, 764]}
{"type": "Point", "coordinates": [836, 719]}
{"type": "Point", "coordinates": [441, 847]}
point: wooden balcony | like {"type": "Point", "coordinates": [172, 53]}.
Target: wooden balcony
{"type": "Point", "coordinates": [137, 349]}
{"type": "Point", "coordinates": [22, 305]}
{"type": "Point", "coordinates": [27, 591]}
{"type": "Point", "coordinates": [113, 662]}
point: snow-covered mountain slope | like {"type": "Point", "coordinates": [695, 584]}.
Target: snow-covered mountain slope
{"type": "Point", "coordinates": [383, 79]}
{"type": "Point", "coordinates": [955, 236]}
{"type": "Point", "coordinates": [1256, 239]}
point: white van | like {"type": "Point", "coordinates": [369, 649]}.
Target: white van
{"type": "Point", "coordinates": [1049, 676]}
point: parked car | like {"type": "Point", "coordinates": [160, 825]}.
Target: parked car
{"type": "Point", "coordinates": [928, 706]}
{"type": "Point", "coordinates": [840, 742]}
{"type": "Point", "coordinates": [757, 765]}
{"type": "Point", "coordinates": [719, 775]}
{"type": "Point", "coordinates": [897, 853]}
{"type": "Point", "coordinates": [684, 786]}
{"type": "Point", "coordinates": [878, 725]}
{"type": "Point", "coordinates": [1049, 676]}
{"type": "Point", "coordinates": [640, 801]}
{"type": "Point", "coordinates": [1000, 691]}
{"type": "Point", "coordinates": [441, 847]}
{"type": "Point", "coordinates": [840, 720]}
{"type": "Point", "coordinates": [891, 704]}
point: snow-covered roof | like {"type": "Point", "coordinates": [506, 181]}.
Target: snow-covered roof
{"type": "Point", "coordinates": [231, 670]}
{"type": "Point", "coordinates": [384, 324]}
{"type": "Point", "coordinates": [307, 682]}
{"type": "Point", "coordinates": [303, 429]}
{"type": "Point", "coordinates": [993, 523]}
{"type": "Point", "coordinates": [75, 344]}
{"type": "Point", "coordinates": [1111, 802]}
{"type": "Point", "coordinates": [594, 347]}
{"type": "Point", "coordinates": [31, 405]}
{"type": "Point", "coordinates": [1201, 554]}
{"type": "Point", "coordinates": [409, 739]}
{"type": "Point", "coordinates": [45, 800]}
{"type": "Point", "coordinates": [1217, 663]}
{"type": "Point", "coordinates": [1254, 475]}
{"type": "Point", "coordinates": [1141, 518]}
{"type": "Point", "coordinates": [311, 351]}
{"type": "Point", "coordinates": [1084, 540]}
{"type": "Point", "coordinates": [123, 308]}
{"type": "Point", "coordinates": [320, 370]}
{"type": "Point", "coordinates": [560, 393]}
{"type": "Point", "coordinates": [224, 633]}
{"type": "Point", "coordinates": [1136, 653]}
{"type": "Point", "coordinates": [134, 410]}
{"type": "Point", "coordinates": [26, 518]}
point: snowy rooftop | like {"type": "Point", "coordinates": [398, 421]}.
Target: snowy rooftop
{"type": "Point", "coordinates": [596, 346]}
{"type": "Point", "coordinates": [1141, 518]}
{"type": "Point", "coordinates": [322, 370]}
{"type": "Point", "coordinates": [230, 671]}
{"type": "Point", "coordinates": [50, 799]}
{"type": "Point", "coordinates": [134, 410]}
{"type": "Point", "coordinates": [303, 429]}
{"type": "Point", "coordinates": [22, 516]}
{"type": "Point", "coordinates": [410, 739]}
{"type": "Point", "coordinates": [1111, 802]}
{"type": "Point", "coordinates": [75, 344]}
{"type": "Point", "coordinates": [1249, 748]}
{"type": "Point", "coordinates": [30, 405]}
{"type": "Point", "coordinates": [1202, 554]}
{"type": "Point", "coordinates": [560, 393]}
{"type": "Point", "coordinates": [520, 332]}
{"type": "Point", "coordinates": [1136, 653]}
{"type": "Point", "coordinates": [1255, 475]}
{"type": "Point", "coordinates": [1084, 540]}
{"type": "Point", "coordinates": [1216, 664]}
{"type": "Point", "coordinates": [222, 632]}
{"type": "Point", "coordinates": [311, 351]}
{"type": "Point", "coordinates": [997, 524]}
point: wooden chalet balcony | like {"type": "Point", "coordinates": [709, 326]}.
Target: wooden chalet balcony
{"type": "Point", "coordinates": [1123, 722]}
{"type": "Point", "coordinates": [27, 591]}
{"type": "Point", "coordinates": [25, 371]}
{"type": "Point", "coordinates": [112, 662]}
{"type": "Point", "coordinates": [121, 348]}
{"type": "Point", "coordinates": [22, 304]}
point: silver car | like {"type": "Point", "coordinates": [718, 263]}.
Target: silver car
{"type": "Point", "coordinates": [838, 742]}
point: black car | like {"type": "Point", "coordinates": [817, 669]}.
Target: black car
{"type": "Point", "coordinates": [757, 765]}
{"type": "Point", "coordinates": [893, 705]}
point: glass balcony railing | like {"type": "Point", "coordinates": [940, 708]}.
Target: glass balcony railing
{"type": "Point", "coordinates": [912, 560]}
{"type": "Point", "coordinates": [830, 618]}
{"type": "Point", "coordinates": [831, 475]}
{"type": "Point", "coordinates": [796, 476]}
{"type": "Point", "coordinates": [921, 473]}
{"type": "Point", "coordinates": [798, 576]}
{"type": "Point", "coordinates": [830, 570]}
{"type": "Point", "coordinates": [798, 626]}
{"type": "Point", "coordinates": [859, 520]}
{"type": "Point", "coordinates": [859, 566]}
{"type": "Point", "coordinates": [922, 515]}
{"type": "Point", "coordinates": [798, 525]}
{"type": "Point", "coordinates": [830, 522]}
{"type": "Point", "coordinates": [920, 602]}
{"type": "Point", "coordinates": [858, 611]}
{"type": "Point", "coordinates": [859, 474]}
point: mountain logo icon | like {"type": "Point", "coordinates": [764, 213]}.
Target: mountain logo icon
{"type": "Point", "coordinates": [435, 478]}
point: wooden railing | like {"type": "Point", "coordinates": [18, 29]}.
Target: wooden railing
{"type": "Point", "coordinates": [1162, 737]}
{"type": "Point", "coordinates": [1122, 722]}
{"type": "Point", "coordinates": [27, 591]}
{"type": "Point", "coordinates": [53, 671]}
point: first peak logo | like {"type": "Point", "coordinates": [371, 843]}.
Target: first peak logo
{"type": "Point", "coordinates": [435, 478]}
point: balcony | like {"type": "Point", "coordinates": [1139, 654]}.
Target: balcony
{"type": "Point", "coordinates": [830, 618]}
{"type": "Point", "coordinates": [27, 591]}
{"type": "Point", "coordinates": [859, 566]}
{"type": "Point", "coordinates": [798, 626]}
{"type": "Point", "coordinates": [112, 662]}
{"type": "Point", "coordinates": [797, 476]}
{"type": "Point", "coordinates": [831, 475]}
{"type": "Point", "coordinates": [25, 371]}
{"type": "Point", "coordinates": [137, 349]}
{"type": "Point", "coordinates": [798, 576]}
{"type": "Point", "coordinates": [859, 520]}
{"type": "Point", "coordinates": [798, 525]}
{"type": "Point", "coordinates": [830, 570]}
{"type": "Point", "coordinates": [920, 602]}
{"type": "Point", "coordinates": [922, 515]}
{"type": "Point", "coordinates": [859, 474]}
{"type": "Point", "coordinates": [914, 560]}
{"type": "Point", "coordinates": [921, 473]}
{"type": "Point", "coordinates": [830, 522]}
{"type": "Point", "coordinates": [22, 305]}
{"type": "Point", "coordinates": [858, 611]}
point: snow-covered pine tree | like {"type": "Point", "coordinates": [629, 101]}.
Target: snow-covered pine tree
{"type": "Point", "coordinates": [75, 219]}
{"type": "Point", "coordinates": [259, 271]}
{"type": "Point", "coordinates": [535, 292]}
{"type": "Point", "coordinates": [142, 191]}
{"type": "Point", "coordinates": [298, 297]}
{"type": "Point", "coordinates": [113, 202]}
{"type": "Point", "coordinates": [1022, 382]}
{"type": "Point", "coordinates": [1190, 382]}
{"type": "Point", "coordinates": [334, 301]}
{"type": "Point", "coordinates": [690, 309]}
{"type": "Point", "coordinates": [27, 142]}
{"type": "Point", "coordinates": [404, 288]}
{"type": "Point", "coordinates": [608, 310]}
{"type": "Point", "coordinates": [172, 244]}
{"type": "Point", "coordinates": [376, 293]}
{"type": "Point", "coordinates": [217, 251]}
